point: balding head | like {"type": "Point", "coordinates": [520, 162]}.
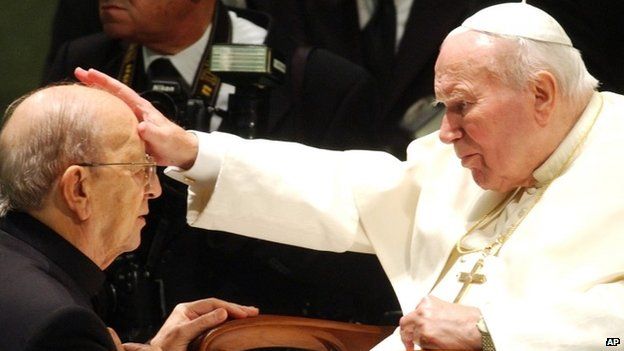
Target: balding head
{"type": "Point", "coordinates": [71, 157]}
{"type": "Point", "coordinates": [44, 132]}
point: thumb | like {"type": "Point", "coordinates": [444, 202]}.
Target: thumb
{"type": "Point", "coordinates": [116, 339]}
{"type": "Point", "coordinates": [151, 135]}
{"type": "Point", "coordinates": [407, 337]}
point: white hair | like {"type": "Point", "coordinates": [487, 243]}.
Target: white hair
{"type": "Point", "coordinates": [29, 165]}
{"type": "Point", "coordinates": [527, 57]}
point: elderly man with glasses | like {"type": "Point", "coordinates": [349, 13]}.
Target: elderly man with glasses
{"type": "Point", "coordinates": [74, 188]}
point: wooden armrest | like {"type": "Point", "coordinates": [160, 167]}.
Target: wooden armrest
{"type": "Point", "coordinates": [266, 331]}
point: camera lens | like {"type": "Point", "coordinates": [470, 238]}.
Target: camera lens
{"type": "Point", "coordinates": [164, 103]}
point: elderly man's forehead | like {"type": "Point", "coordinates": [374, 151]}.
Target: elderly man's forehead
{"type": "Point", "coordinates": [475, 37]}
{"type": "Point", "coordinates": [63, 103]}
{"type": "Point", "coordinates": [466, 46]}
{"type": "Point", "coordinates": [65, 96]}
{"type": "Point", "coordinates": [468, 55]}
{"type": "Point", "coordinates": [451, 79]}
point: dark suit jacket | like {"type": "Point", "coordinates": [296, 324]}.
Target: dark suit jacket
{"type": "Point", "coordinates": [334, 109]}
{"type": "Point", "coordinates": [46, 289]}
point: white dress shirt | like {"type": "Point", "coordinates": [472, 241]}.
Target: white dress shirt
{"type": "Point", "coordinates": [188, 60]}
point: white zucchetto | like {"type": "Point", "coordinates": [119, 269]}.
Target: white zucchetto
{"type": "Point", "coordinates": [518, 19]}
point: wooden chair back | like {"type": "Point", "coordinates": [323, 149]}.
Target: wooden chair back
{"type": "Point", "coordinates": [271, 332]}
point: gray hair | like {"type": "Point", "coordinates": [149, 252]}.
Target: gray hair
{"type": "Point", "coordinates": [30, 165]}
{"type": "Point", "coordinates": [528, 57]}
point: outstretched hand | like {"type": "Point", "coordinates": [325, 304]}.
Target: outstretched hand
{"type": "Point", "coordinates": [437, 324]}
{"type": "Point", "coordinates": [168, 143]}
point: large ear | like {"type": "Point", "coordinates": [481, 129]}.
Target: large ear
{"type": "Point", "coordinates": [76, 190]}
{"type": "Point", "coordinates": [545, 90]}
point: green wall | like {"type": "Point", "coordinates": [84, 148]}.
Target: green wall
{"type": "Point", "coordinates": [24, 39]}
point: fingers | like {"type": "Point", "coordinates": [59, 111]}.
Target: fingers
{"type": "Point", "coordinates": [234, 310]}
{"type": "Point", "coordinates": [189, 320]}
{"type": "Point", "coordinates": [150, 114]}
{"type": "Point", "coordinates": [81, 74]}
{"type": "Point", "coordinates": [131, 346]}
{"type": "Point", "coordinates": [208, 313]}
{"type": "Point", "coordinates": [207, 321]}
{"type": "Point", "coordinates": [408, 340]}
{"type": "Point", "coordinates": [96, 78]}
{"type": "Point", "coordinates": [407, 332]}
{"type": "Point", "coordinates": [116, 340]}
{"type": "Point", "coordinates": [178, 335]}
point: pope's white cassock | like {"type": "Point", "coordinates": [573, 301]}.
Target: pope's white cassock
{"type": "Point", "coordinates": [557, 281]}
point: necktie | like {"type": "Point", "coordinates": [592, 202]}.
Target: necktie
{"type": "Point", "coordinates": [378, 39]}
{"type": "Point", "coordinates": [165, 88]}
{"type": "Point", "coordinates": [163, 77]}
{"type": "Point", "coordinates": [162, 69]}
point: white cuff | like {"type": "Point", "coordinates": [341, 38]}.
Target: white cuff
{"type": "Point", "coordinates": [211, 149]}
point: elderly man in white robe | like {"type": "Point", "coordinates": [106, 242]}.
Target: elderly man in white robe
{"type": "Point", "coordinates": [516, 247]}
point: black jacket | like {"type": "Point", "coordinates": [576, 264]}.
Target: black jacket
{"type": "Point", "coordinates": [45, 291]}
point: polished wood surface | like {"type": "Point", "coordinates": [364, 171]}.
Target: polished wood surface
{"type": "Point", "coordinates": [270, 331]}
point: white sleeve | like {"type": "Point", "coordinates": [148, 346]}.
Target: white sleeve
{"type": "Point", "coordinates": [278, 191]}
{"type": "Point", "coordinates": [211, 149]}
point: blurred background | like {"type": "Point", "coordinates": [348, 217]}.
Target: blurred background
{"type": "Point", "coordinates": [24, 40]}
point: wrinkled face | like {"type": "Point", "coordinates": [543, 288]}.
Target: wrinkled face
{"type": "Point", "coordinates": [121, 193]}
{"type": "Point", "coordinates": [143, 20]}
{"type": "Point", "coordinates": [489, 123]}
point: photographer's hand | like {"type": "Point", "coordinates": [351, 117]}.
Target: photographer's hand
{"type": "Point", "coordinates": [168, 143]}
{"type": "Point", "coordinates": [189, 320]}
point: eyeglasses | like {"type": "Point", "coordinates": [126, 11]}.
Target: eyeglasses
{"type": "Point", "coordinates": [149, 168]}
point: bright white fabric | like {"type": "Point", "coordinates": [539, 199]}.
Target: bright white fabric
{"type": "Point", "coordinates": [518, 19]}
{"type": "Point", "coordinates": [557, 283]}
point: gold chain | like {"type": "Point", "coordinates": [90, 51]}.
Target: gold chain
{"type": "Point", "coordinates": [494, 247]}
{"type": "Point", "coordinates": [494, 213]}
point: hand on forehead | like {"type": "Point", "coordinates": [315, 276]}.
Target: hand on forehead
{"type": "Point", "coordinates": [95, 78]}
{"type": "Point", "coordinates": [143, 109]}
{"type": "Point", "coordinates": [167, 142]}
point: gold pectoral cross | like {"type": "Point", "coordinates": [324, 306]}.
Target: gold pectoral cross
{"type": "Point", "coordinates": [474, 277]}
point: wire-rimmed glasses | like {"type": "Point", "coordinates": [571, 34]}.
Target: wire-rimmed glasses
{"type": "Point", "coordinates": [149, 167]}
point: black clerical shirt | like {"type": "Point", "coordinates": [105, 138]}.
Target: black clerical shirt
{"type": "Point", "coordinates": [46, 286]}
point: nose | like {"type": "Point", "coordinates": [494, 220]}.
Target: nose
{"type": "Point", "coordinates": [450, 129]}
{"type": "Point", "coordinates": [154, 189]}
